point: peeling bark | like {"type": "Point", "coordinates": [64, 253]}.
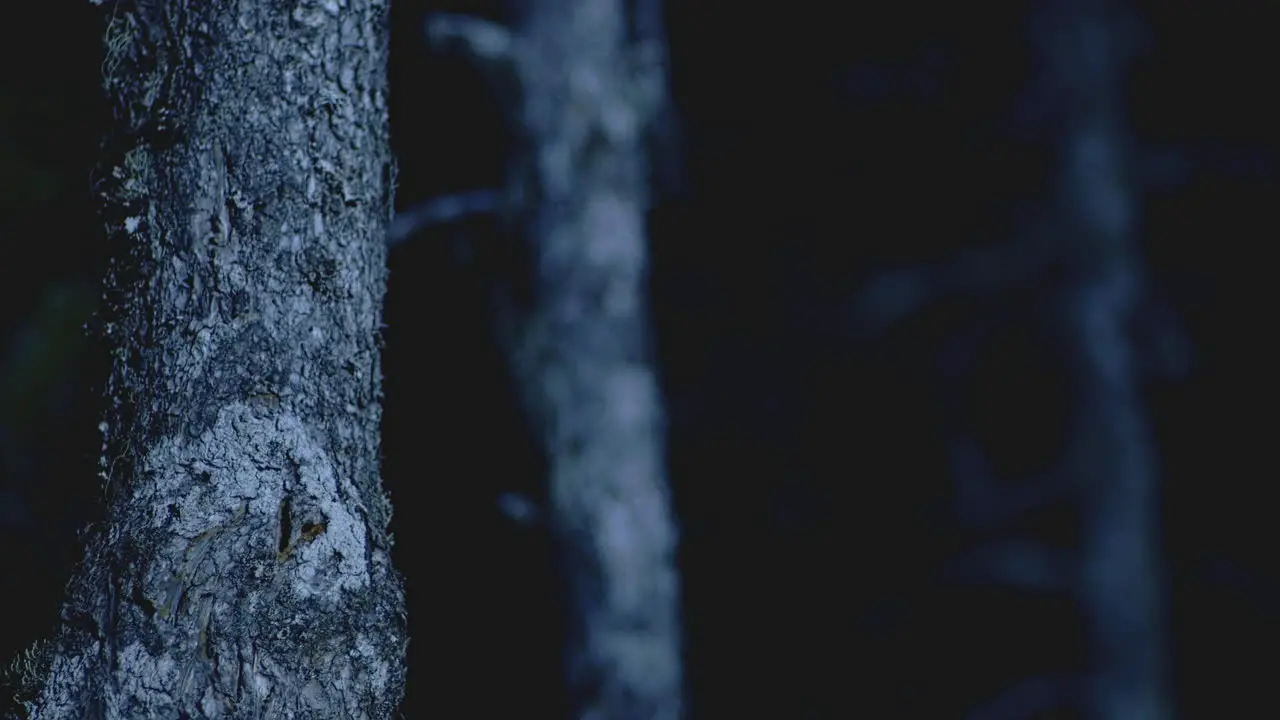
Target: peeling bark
{"type": "Point", "coordinates": [243, 566]}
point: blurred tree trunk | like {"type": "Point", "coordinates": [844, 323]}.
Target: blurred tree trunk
{"type": "Point", "coordinates": [242, 569]}
{"type": "Point", "coordinates": [1122, 585]}
{"type": "Point", "coordinates": [1082, 254]}
{"type": "Point", "coordinates": [588, 82]}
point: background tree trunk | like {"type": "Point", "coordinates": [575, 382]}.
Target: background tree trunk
{"type": "Point", "coordinates": [243, 567]}
{"type": "Point", "coordinates": [585, 94]}
{"type": "Point", "coordinates": [1122, 585]}
{"type": "Point", "coordinates": [1083, 253]}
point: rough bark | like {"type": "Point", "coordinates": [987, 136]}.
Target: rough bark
{"type": "Point", "coordinates": [242, 569]}
{"type": "Point", "coordinates": [585, 94]}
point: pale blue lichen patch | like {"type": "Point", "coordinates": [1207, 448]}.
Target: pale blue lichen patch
{"type": "Point", "coordinates": [236, 475]}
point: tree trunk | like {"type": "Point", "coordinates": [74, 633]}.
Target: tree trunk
{"type": "Point", "coordinates": [1085, 250]}
{"type": "Point", "coordinates": [243, 567]}
{"type": "Point", "coordinates": [589, 82]}
{"type": "Point", "coordinates": [1121, 588]}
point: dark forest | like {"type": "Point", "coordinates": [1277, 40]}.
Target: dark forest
{"type": "Point", "coordinates": [956, 314]}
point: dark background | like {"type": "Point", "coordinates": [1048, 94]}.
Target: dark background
{"type": "Point", "coordinates": [823, 144]}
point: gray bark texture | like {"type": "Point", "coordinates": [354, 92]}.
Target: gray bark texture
{"type": "Point", "coordinates": [587, 83]}
{"type": "Point", "coordinates": [242, 569]}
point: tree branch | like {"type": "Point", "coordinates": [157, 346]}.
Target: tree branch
{"type": "Point", "coordinates": [442, 211]}
{"type": "Point", "coordinates": [1020, 564]}
{"type": "Point", "coordinates": [982, 503]}
{"type": "Point", "coordinates": [896, 294]}
{"type": "Point", "coordinates": [1030, 697]}
{"type": "Point", "coordinates": [483, 40]}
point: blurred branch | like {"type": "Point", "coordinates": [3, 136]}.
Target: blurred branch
{"type": "Point", "coordinates": [480, 39]}
{"type": "Point", "coordinates": [521, 510]}
{"type": "Point", "coordinates": [1015, 563]}
{"type": "Point", "coordinates": [896, 294]}
{"type": "Point", "coordinates": [442, 211]}
{"type": "Point", "coordinates": [493, 49]}
{"type": "Point", "coordinates": [1030, 697]}
{"type": "Point", "coordinates": [983, 503]}
{"type": "Point", "coordinates": [1169, 168]}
